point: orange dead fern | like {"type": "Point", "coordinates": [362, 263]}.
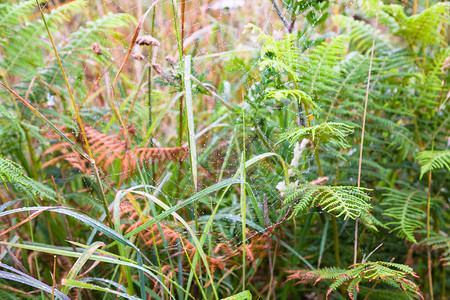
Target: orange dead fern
{"type": "Point", "coordinates": [107, 148]}
{"type": "Point", "coordinates": [153, 236]}
{"type": "Point", "coordinates": [223, 256]}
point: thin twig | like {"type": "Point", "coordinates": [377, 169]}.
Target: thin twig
{"type": "Point", "coordinates": [80, 123]}
{"type": "Point", "coordinates": [283, 19]}
{"type": "Point", "coordinates": [355, 250]}
{"type": "Point", "coordinates": [133, 41]}
{"type": "Point", "coordinates": [370, 254]}
{"type": "Point", "coordinates": [54, 276]}
{"type": "Point", "coordinates": [430, 278]}
{"type": "Point", "coordinates": [69, 233]}
{"type": "Point", "coordinates": [269, 250]}
{"type": "Point", "coordinates": [214, 94]}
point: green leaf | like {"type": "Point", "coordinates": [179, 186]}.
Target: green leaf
{"type": "Point", "coordinates": [245, 295]}
{"type": "Point", "coordinates": [334, 132]}
{"type": "Point", "coordinates": [76, 268]}
{"type": "Point", "coordinates": [432, 160]}
{"type": "Point", "coordinates": [341, 201]}
{"type": "Point", "coordinates": [405, 208]}
{"type": "Point", "coordinates": [13, 173]}
{"type": "Point", "coordinates": [23, 278]}
{"type": "Point", "coordinates": [85, 285]}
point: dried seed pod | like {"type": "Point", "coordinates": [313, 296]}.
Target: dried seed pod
{"type": "Point", "coordinates": [172, 61]}
{"type": "Point", "coordinates": [96, 48]}
{"type": "Point", "coordinates": [138, 56]}
{"type": "Point", "coordinates": [147, 40]}
{"type": "Point", "coordinates": [158, 68]}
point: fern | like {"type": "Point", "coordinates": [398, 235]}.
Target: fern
{"type": "Point", "coordinates": [440, 243]}
{"type": "Point", "coordinates": [325, 132]}
{"type": "Point", "coordinates": [22, 43]}
{"type": "Point", "coordinates": [361, 34]}
{"type": "Point", "coordinates": [432, 160]}
{"type": "Point", "coordinates": [404, 207]}
{"type": "Point", "coordinates": [12, 14]}
{"type": "Point", "coordinates": [298, 95]}
{"type": "Point", "coordinates": [390, 273]}
{"type": "Point", "coordinates": [423, 27]}
{"type": "Point", "coordinates": [430, 82]}
{"type": "Point", "coordinates": [12, 173]}
{"type": "Point", "coordinates": [341, 201]}
{"type": "Point", "coordinates": [280, 55]}
{"type": "Point", "coordinates": [24, 52]}
{"type": "Point", "coordinates": [319, 72]}
{"type": "Point", "coordinates": [420, 27]}
{"type": "Point", "coordinates": [109, 148]}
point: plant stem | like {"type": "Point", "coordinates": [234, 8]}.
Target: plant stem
{"type": "Point", "coordinates": [430, 279]}
{"type": "Point", "coordinates": [80, 123]}
{"type": "Point", "coordinates": [355, 249]}
{"type": "Point", "coordinates": [336, 241]}
{"type": "Point", "coordinates": [149, 87]}
{"type": "Point", "coordinates": [371, 290]}
{"type": "Point", "coordinates": [280, 14]}
{"type": "Point", "coordinates": [243, 197]}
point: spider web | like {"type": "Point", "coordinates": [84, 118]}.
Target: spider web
{"type": "Point", "coordinates": [225, 59]}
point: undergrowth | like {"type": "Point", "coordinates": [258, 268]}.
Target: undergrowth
{"type": "Point", "coordinates": [226, 150]}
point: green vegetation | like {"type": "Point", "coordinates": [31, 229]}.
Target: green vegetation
{"type": "Point", "coordinates": [276, 149]}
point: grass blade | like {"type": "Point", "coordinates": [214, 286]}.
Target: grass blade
{"type": "Point", "coordinates": [105, 256]}
{"type": "Point", "coordinates": [190, 118]}
{"type": "Point", "coordinates": [28, 280]}
{"type": "Point", "coordinates": [76, 268]}
{"type": "Point", "coordinates": [197, 244]}
{"type": "Point", "coordinates": [186, 202]}
{"type": "Point", "coordinates": [85, 285]}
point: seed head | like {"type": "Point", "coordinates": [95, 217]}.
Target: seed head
{"type": "Point", "coordinates": [171, 60]}
{"type": "Point", "coordinates": [158, 68]}
{"type": "Point", "coordinates": [138, 56]}
{"type": "Point", "coordinates": [147, 40]}
{"type": "Point", "coordinates": [96, 48]}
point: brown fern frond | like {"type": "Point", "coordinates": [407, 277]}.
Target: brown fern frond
{"type": "Point", "coordinates": [300, 276]}
{"type": "Point", "coordinates": [107, 149]}
{"type": "Point", "coordinates": [257, 247]}
{"type": "Point", "coordinates": [153, 236]}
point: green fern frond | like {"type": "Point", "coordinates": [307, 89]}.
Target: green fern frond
{"type": "Point", "coordinates": [12, 173]}
{"type": "Point", "coordinates": [96, 31]}
{"type": "Point", "coordinates": [392, 15]}
{"type": "Point", "coordinates": [432, 160]}
{"type": "Point", "coordinates": [64, 12]}
{"type": "Point", "coordinates": [390, 273]}
{"type": "Point", "coordinates": [341, 201]}
{"type": "Point", "coordinates": [361, 34]}
{"type": "Point", "coordinates": [404, 207]}
{"type": "Point", "coordinates": [12, 14]}
{"type": "Point", "coordinates": [298, 95]}
{"type": "Point", "coordinates": [423, 27]}
{"type": "Point", "coordinates": [10, 124]}
{"type": "Point", "coordinates": [281, 55]}
{"type": "Point", "coordinates": [319, 67]}
{"type": "Point", "coordinates": [440, 243]}
{"type": "Point", "coordinates": [22, 42]}
{"type": "Point", "coordinates": [429, 84]}
{"type": "Point", "coordinates": [325, 132]}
